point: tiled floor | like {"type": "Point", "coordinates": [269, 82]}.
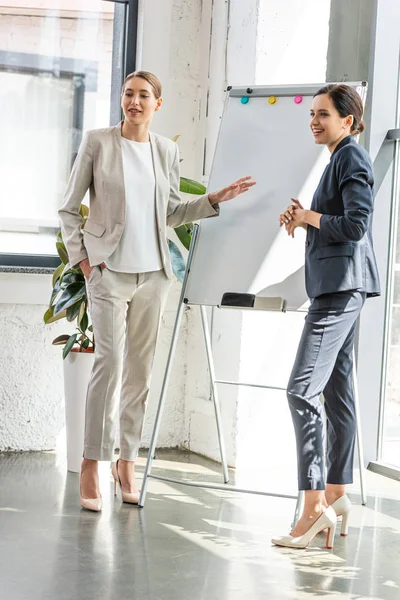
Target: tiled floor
{"type": "Point", "coordinates": [186, 543]}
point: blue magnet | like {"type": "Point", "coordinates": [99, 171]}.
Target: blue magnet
{"type": "Point", "coordinates": [244, 100]}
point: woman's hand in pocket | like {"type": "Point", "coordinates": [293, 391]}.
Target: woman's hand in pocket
{"type": "Point", "coordinates": [87, 269]}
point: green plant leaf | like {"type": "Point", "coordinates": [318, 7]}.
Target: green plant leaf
{"type": "Point", "coordinates": [57, 273]}
{"type": "Point", "coordinates": [55, 292]}
{"type": "Point", "coordinates": [69, 345]}
{"type": "Point", "coordinates": [49, 316]}
{"type": "Point", "coordinates": [61, 340]}
{"type": "Point", "coordinates": [84, 322]}
{"type": "Point", "coordinates": [82, 311]}
{"type": "Point", "coordinates": [62, 252]}
{"type": "Point", "coordinates": [184, 233]}
{"type": "Point", "coordinates": [72, 293]}
{"type": "Point", "coordinates": [59, 236]}
{"type": "Point", "coordinates": [73, 311]}
{"type": "Point", "coordinates": [84, 211]}
{"type": "Point", "coordinates": [86, 343]}
{"type": "Point", "coordinates": [189, 186]}
{"type": "Point", "coordinates": [72, 277]}
{"type": "Point", "coordinates": [70, 271]}
{"type": "Point", "coordinates": [177, 260]}
{"type": "Point", "coordinates": [90, 328]}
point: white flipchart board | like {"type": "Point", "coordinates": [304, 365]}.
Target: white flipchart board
{"type": "Point", "coordinates": [244, 250]}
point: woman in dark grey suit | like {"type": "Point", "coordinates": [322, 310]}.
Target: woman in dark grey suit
{"type": "Point", "coordinates": [341, 273]}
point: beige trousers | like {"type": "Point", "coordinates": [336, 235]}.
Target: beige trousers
{"type": "Point", "coordinates": [126, 313]}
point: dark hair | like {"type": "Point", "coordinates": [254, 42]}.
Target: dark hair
{"type": "Point", "coordinates": [347, 102]}
{"type": "Point", "coordinates": [150, 78]}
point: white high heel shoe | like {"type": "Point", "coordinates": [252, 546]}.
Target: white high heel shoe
{"type": "Point", "coordinates": [342, 507]}
{"type": "Point", "coordinates": [128, 497]}
{"type": "Point", "coordinates": [327, 520]}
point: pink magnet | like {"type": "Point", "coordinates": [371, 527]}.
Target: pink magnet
{"type": "Point", "coordinates": [298, 99]}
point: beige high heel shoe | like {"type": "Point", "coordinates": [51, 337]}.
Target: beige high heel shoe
{"type": "Point", "coordinates": [128, 497]}
{"type": "Point", "coordinates": [342, 507]}
{"type": "Point", "coordinates": [327, 520]}
{"type": "Point", "coordinates": [93, 504]}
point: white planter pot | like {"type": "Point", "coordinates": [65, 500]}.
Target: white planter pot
{"type": "Point", "coordinates": [77, 369]}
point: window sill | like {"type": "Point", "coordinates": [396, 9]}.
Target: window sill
{"type": "Point", "coordinates": [30, 270]}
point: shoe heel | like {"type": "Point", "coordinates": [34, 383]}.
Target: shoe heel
{"type": "Point", "coordinates": [115, 487]}
{"type": "Point", "coordinates": [345, 524]}
{"type": "Point", "coordinates": [330, 536]}
{"type": "Point", "coordinates": [342, 507]}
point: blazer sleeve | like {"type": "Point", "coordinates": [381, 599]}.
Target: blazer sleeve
{"type": "Point", "coordinates": [78, 184]}
{"type": "Point", "coordinates": [355, 183]}
{"type": "Point", "coordinates": [184, 211]}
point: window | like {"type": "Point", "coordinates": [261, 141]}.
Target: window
{"type": "Point", "coordinates": [391, 423]}
{"type": "Point", "coordinates": [56, 59]}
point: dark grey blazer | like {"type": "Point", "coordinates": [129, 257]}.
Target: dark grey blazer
{"type": "Point", "coordinates": [340, 255]}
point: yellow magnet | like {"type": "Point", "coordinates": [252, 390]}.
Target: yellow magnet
{"type": "Point", "coordinates": [272, 100]}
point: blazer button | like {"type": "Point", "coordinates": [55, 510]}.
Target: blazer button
{"type": "Point", "coordinates": [307, 243]}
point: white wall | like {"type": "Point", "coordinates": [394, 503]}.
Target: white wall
{"type": "Point", "coordinates": [292, 41]}
{"type": "Point", "coordinates": [171, 44]}
{"type": "Point", "coordinates": [31, 380]}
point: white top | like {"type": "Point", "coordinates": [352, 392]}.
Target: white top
{"type": "Point", "coordinates": [138, 250]}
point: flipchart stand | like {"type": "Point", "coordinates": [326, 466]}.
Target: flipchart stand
{"type": "Point", "coordinates": [214, 381]}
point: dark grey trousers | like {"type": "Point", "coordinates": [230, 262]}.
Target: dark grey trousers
{"type": "Point", "coordinates": [324, 365]}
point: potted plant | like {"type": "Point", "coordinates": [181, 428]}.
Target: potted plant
{"type": "Point", "coordinates": [69, 301]}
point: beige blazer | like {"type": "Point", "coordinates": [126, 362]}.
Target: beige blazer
{"type": "Point", "coordinates": [98, 167]}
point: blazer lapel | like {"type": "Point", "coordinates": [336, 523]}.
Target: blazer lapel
{"type": "Point", "coordinates": [116, 156]}
{"type": "Point", "coordinates": [157, 172]}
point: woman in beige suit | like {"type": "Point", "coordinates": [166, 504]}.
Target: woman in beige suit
{"type": "Point", "coordinates": [133, 178]}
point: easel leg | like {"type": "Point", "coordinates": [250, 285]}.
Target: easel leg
{"type": "Point", "coordinates": [161, 403]}
{"type": "Point", "coordinates": [217, 408]}
{"type": "Point", "coordinates": [359, 434]}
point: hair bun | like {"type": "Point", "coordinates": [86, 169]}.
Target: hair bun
{"type": "Point", "coordinates": [359, 128]}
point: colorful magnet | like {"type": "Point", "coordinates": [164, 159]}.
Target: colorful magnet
{"type": "Point", "coordinates": [244, 100]}
{"type": "Point", "coordinates": [298, 99]}
{"type": "Point", "coordinates": [272, 100]}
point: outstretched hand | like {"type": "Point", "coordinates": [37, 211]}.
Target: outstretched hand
{"type": "Point", "coordinates": [231, 191]}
